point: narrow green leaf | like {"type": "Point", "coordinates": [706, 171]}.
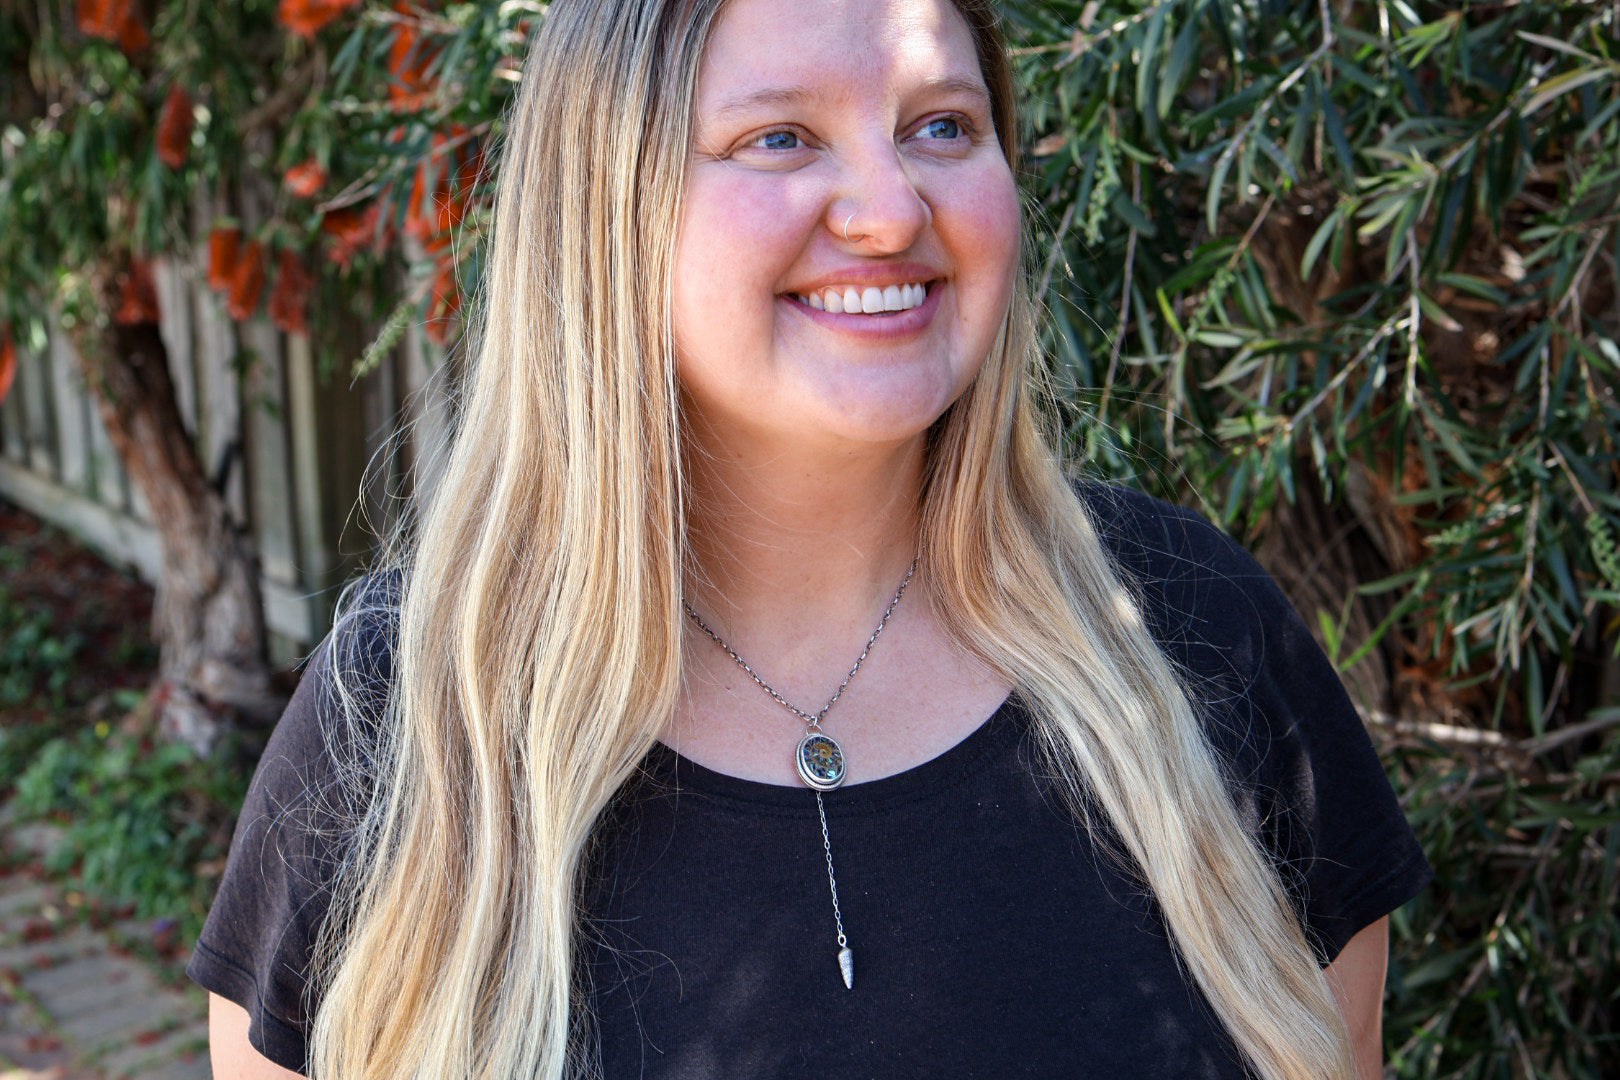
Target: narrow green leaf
{"type": "Point", "coordinates": [1183, 53]}
{"type": "Point", "coordinates": [1217, 184]}
{"type": "Point", "coordinates": [1324, 232]}
{"type": "Point", "coordinates": [1333, 122]}
{"type": "Point", "coordinates": [1474, 286]}
{"type": "Point", "coordinates": [1278, 158]}
{"type": "Point", "coordinates": [1562, 84]}
{"type": "Point", "coordinates": [1557, 46]}
{"type": "Point", "coordinates": [1133, 215]}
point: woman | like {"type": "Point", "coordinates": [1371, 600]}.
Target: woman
{"type": "Point", "coordinates": [750, 404]}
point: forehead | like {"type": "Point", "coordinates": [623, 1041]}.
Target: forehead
{"type": "Point", "coordinates": [783, 48]}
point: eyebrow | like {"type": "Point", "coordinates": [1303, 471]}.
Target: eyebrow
{"type": "Point", "coordinates": [798, 95]}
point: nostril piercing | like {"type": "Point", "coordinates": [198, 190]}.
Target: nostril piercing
{"type": "Point", "coordinates": [847, 220]}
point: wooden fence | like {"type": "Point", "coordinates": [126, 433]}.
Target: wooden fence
{"type": "Point", "coordinates": [288, 447]}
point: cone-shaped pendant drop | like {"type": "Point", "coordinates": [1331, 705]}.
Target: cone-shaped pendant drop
{"type": "Point", "coordinates": [846, 964]}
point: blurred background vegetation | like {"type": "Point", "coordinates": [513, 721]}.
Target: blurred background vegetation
{"type": "Point", "coordinates": [1343, 275]}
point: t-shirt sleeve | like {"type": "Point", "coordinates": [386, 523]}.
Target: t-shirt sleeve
{"type": "Point", "coordinates": [1309, 784]}
{"type": "Point", "coordinates": [257, 945]}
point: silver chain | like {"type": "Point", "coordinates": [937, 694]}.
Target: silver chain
{"type": "Point", "coordinates": [811, 721]}
{"type": "Point", "coordinates": [832, 882]}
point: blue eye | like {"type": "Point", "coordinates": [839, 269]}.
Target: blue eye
{"type": "Point", "coordinates": [778, 140]}
{"type": "Point", "coordinates": [946, 127]}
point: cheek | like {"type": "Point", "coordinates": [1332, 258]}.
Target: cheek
{"type": "Point", "coordinates": [739, 233]}
{"type": "Point", "coordinates": [992, 222]}
{"type": "Point", "coordinates": [984, 243]}
{"type": "Point", "coordinates": [737, 237]}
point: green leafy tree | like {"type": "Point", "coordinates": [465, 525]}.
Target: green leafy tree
{"type": "Point", "coordinates": [1347, 274]}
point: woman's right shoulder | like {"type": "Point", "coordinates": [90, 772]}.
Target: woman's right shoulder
{"type": "Point", "coordinates": [315, 773]}
{"type": "Point", "coordinates": [327, 736]}
{"type": "Point", "coordinates": [354, 666]}
{"type": "Point", "coordinates": [313, 783]}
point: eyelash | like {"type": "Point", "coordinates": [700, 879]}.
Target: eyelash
{"type": "Point", "coordinates": [965, 129]}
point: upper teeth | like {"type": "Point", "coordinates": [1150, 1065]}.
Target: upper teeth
{"type": "Point", "coordinates": [850, 299]}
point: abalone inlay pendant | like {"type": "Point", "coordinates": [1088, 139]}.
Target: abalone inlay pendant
{"type": "Point", "coordinates": [820, 761]}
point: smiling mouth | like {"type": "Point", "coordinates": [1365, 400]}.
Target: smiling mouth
{"type": "Point", "coordinates": [866, 300]}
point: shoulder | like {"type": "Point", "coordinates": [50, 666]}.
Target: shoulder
{"type": "Point", "coordinates": [1217, 614]}
{"type": "Point", "coordinates": [293, 834]}
{"type": "Point", "coordinates": [1265, 688]}
{"type": "Point", "coordinates": [1307, 780]}
{"type": "Point", "coordinates": [326, 735]}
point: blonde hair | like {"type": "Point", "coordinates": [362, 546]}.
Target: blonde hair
{"type": "Point", "coordinates": [539, 649]}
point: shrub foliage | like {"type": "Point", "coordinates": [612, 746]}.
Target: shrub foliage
{"type": "Point", "coordinates": [1347, 273]}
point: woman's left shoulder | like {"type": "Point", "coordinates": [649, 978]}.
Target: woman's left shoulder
{"type": "Point", "coordinates": [1245, 653]}
{"type": "Point", "coordinates": [1308, 779]}
{"type": "Point", "coordinates": [1157, 540]}
{"type": "Point", "coordinates": [1206, 599]}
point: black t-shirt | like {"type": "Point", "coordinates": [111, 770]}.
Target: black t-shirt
{"type": "Point", "coordinates": [993, 936]}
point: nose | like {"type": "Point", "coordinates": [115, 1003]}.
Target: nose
{"type": "Point", "coordinates": [880, 210]}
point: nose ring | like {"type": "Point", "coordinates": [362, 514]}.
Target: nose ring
{"type": "Point", "coordinates": [847, 220]}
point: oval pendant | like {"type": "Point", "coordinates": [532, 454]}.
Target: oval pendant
{"type": "Point", "coordinates": [820, 761]}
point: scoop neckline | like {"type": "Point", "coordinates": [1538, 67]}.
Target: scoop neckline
{"type": "Point", "coordinates": [667, 764]}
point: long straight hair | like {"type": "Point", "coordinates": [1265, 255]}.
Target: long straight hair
{"type": "Point", "coordinates": [539, 650]}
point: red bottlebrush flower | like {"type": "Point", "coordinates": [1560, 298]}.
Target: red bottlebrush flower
{"type": "Point", "coordinates": [352, 231]}
{"type": "Point", "coordinates": [289, 300]}
{"type": "Point", "coordinates": [113, 20]}
{"type": "Point", "coordinates": [431, 213]}
{"type": "Point", "coordinates": [8, 362]}
{"type": "Point", "coordinates": [305, 178]}
{"type": "Point", "coordinates": [132, 35]}
{"type": "Point", "coordinates": [139, 302]}
{"type": "Point", "coordinates": [223, 244]}
{"type": "Point", "coordinates": [444, 305]}
{"type": "Point", "coordinates": [247, 283]}
{"type": "Point", "coordinates": [419, 207]}
{"type": "Point", "coordinates": [174, 127]}
{"type": "Point", "coordinates": [408, 62]}
{"type": "Point", "coordinates": [103, 18]}
{"type": "Point", "coordinates": [307, 18]}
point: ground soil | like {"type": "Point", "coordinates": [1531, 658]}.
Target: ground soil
{"type": "Point", "coordinates": [103, 612]}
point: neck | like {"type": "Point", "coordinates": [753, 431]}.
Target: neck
{"type": "Point", "coordinates": [821, 534]}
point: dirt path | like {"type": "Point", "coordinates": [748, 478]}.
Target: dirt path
{"type": "Point", "coordinates": [75, 1004]}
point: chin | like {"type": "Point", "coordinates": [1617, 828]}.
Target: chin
{"type": "Point", "coordinates": [877, 422]}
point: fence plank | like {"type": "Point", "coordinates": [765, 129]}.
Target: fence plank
{"type": "Point", "coordinates": [265, 450]}
{"type": "Point", "coordinates": [302, 405]}
{"type": "Point", "coordinates": [380, 420]}
{"type": "Point", "coordinates": [219, 400]}
{"type": "Point", "coordinates": [72, 417]}
{"type": "Point", "coordinates": [219, 397]}
{"type": "Point", "coordinates": [108, 483]}
{"type": "Point", "coordinates": [32, 388]}
{"type": "Point", "coordinates": [178, 328]}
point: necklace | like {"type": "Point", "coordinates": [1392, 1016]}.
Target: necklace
{"type": "Point", "coordinates": [819, 760]}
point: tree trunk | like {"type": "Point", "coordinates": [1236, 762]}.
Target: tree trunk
{"type": "Point", "coordinates": [208, 618]}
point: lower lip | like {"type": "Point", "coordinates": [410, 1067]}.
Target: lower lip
{"type": "Point", "coordinates": [901, 324]}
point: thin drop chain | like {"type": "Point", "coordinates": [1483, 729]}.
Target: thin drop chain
{"type": "Point", "coordinates": [832, 881]}
{"type": "Point", "coordinates": [812, 721]}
